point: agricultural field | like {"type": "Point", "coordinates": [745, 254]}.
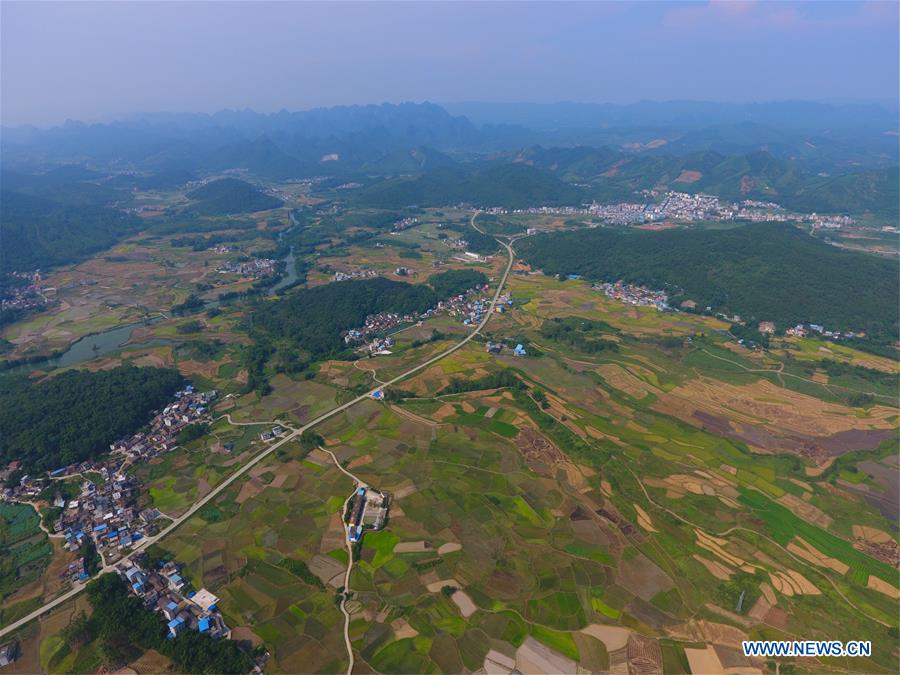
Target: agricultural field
{"type": "Point", "coordinates": [138, 279]}
{"type": "Point", "coordinates": [635, 491]}
{"type": "Point", "coordinates": [27, 552]}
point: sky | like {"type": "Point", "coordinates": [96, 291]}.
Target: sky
{"type": "Point", "coordinates": [96, 61]}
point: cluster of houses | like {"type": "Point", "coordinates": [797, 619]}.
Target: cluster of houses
{"type": "Point", "coordinates": [188, 407]}
{"type": "Point", "coordinates": [496, 348]}
{"type": "Point", "coordinates": [107, 516]}
{"type": "Point", "coordinates": [636, 295]}
{"type": "Point", "coordinates": [683, 206]}
{"type": "Point", "coordinates": [375, 324]}
{"type": "Point", "coordinates": [356, 274]}
{"type": "Point", "coordinates": [272, 434]}
{"type": "Point", "coordinates": [26, 293]}
{"type": "Point", "coordinates": [104, 511]}
{"type": "Point", "coordinates": [256, 267]}
{"type": "Point", "coordinates": [405, 224]}
{"type": "Point", "coordinates": [380, 346]}
{"type": "Point", "coordinates": [165, 591]}
{"type": "Point", "coordinates": [469, 307]}
{"type": "Point", "coordinates": [460, 243]}
{"type": "Point", "coordinates": [370, 510]}
{"type": "Point", "coordinates": [802, 330]}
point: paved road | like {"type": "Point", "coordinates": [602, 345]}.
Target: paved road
{"type": "Point", "coordinates": [216, 491]}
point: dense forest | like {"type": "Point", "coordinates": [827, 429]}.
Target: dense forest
{"type": "Point", "coordinates": [772, 272]}
{"type": "Point", "coordinates": [37, 232]}
{"type": "Point", "coordinates": [125, 629]}
{"type": "Point", "coordinates": [454, 282]}
{"type": "Point", "coordinates": [76, 415]}
{"type": "Point", "coordinates": [314, 318]}
{"type": "Point", "coordinates": [230, 195]}
{"type": "Point", "coordinates": [509, 185]}
{"type": "Point", "coordinates": [482, 244]}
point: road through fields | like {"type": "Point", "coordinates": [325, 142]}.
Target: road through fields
{"type": "Point", "coordinates": [216, 491]}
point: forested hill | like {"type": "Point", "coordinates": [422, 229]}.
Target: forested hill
{"type": "Point", "coordinates": [76, 415]}
{"type": "Point", "coordinates": [313, 319]}
{"type": "Point", "coordinates": [230, 195]}
{"type": "Point", "coordinates": [37, 232]}
{"type": "Point", "coordinates": [769, 271]}
{"type": "Point", "coordinates": [509, 185]}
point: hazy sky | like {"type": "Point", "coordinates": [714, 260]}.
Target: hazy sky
{"type": "Point", "coordinates": [91, 61]}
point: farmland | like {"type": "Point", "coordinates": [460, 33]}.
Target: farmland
{"type": "Point", "coordinates": [644, 485]}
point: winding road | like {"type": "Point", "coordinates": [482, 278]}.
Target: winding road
{"type": "Point", "coordinates": [216, 491]}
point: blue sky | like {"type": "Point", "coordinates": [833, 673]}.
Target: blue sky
{"type": "Point", "coordinates": [91, 61]}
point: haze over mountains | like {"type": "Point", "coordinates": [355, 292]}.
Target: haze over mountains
{"type": "Point", "coordinates": [812, 133]}
{"type": "Point", "coordinates": [806, 156]}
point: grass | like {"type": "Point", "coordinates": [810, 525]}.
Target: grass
{"type": "Point", "coordinates": [591, 552]}
{"type": "Point", "coordinates": [558, 641]}
{"type": "Point", "coordinates": [782, 524]}
{"type": "Point", "coordinates": [599, 606]}
{"type": "Point", "coordinates": [383, 542]}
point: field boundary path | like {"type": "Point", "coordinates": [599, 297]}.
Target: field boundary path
{"type": "Point", "coordinates": [216, 491]}
{"type": "Point", "coordinates": [357, 483]}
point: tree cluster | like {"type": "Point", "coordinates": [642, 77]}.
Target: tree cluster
{"type": "Point", "coordinates": [124, 629]}
{"type": "Point", "coordinates": [762, 272]}
{"type": "Point", "coordinates": [76, 415]}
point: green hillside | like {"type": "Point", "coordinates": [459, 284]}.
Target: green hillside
{"type": "Point", "coordinates": [509, 185]}
{"type": "Point", "coordinates": [768, 271]}
{"type": "Point", "coordinates": [76, 415]}
{"type": "Point", "coordinates": [37, 232]}
{"type": "Point", "coordinates": [230, 195]}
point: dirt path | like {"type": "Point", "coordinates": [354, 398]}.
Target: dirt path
{"type": "Point", "coordinates": [357, 483]}
{"type": "Point", "coordinates": [780, 372]}
{"type": "Point", "coordinates": [370, 372]}
{"type": "Point", "coordinates": [415, 418]}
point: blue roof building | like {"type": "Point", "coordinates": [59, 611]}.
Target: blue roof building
{"type": "Point", "coordinates": [203, 624]}
{"type": "Point", "coordinates": [175, 626]}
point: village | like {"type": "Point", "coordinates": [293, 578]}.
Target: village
{"type": "Point", "coordinates": [684, 207]}
{"type": "Point", "coordinates": [646, 297]}
{"type": "Point", "coordinates": [469, 308]}
{"type": "Point", "coordinates": [24, 292]}
{"type": "Point", "coordinates": [103, 511]}
{"type": "Point", "coordinates": [164, 590]}
{"type": "Point", "coordinates": [635, 295]}
{"type": "Point", "coordinates": [355, 274]}
{"type": "Point", "coordinates": [256, 267]}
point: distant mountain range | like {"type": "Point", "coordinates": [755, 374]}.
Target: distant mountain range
{"type": "Point", "coordinates": [807, 156]}
{"type": "Point", "coordinates": [818, 136]}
